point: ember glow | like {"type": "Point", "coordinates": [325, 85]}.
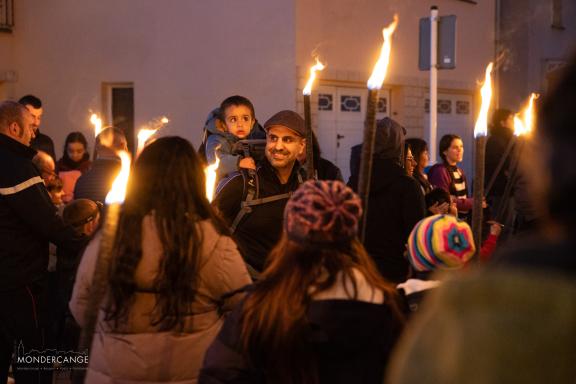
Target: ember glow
{"type": "Point", "coordinates": [481, 127]}
{"type": "Point", "coordinates": [97, 123]}
{"type": "Point", "coordinates": [315, 68]}
{"type": "Point", "coordinates": [118, 191]}
{"type": "Point", "coordinates": [379, 72]}
{"type": "Point", "coordinates": [210, 173]}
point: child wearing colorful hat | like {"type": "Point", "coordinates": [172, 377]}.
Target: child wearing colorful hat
{"type": "Point", "coordinates": [439, 242]}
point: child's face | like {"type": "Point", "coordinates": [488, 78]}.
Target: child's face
{"type": "Point", "coordinates": [91, 226]}
{"type": "Point", "coordinates": [75, 151]}
{"type": "Point", "coordinates": [238, 120]}
{"type": "Point", "coordinates": [56, 197]}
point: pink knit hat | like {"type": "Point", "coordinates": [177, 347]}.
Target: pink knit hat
{"type": "Point", "coordinates": [322, 212]}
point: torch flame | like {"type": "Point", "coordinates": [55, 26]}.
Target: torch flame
{"type": "Point", "coordinates": [519, 126]}
{"type": "Point", "coordinates": [481, 127]}
{"type": "Point", "coordinates": [97, 123]}
{"type": "Point", "coordinates": [316, 67]}
{"type": "Point", "coordinates": [528, 114]}
{"type": "Point", "coordinates": [143, 136]}
{"type": "Point", "coordinates": [210, 172]}
{"type": "Point", "coordinates": [379, 72]}
{"type": "Point", "coordinates": [118, 190]}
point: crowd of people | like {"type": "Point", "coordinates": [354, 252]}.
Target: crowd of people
{"type": "Point", "coordinates": [269, 282]}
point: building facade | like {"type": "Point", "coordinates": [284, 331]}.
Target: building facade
{"type": "Point", "coordinates": [133, 61]}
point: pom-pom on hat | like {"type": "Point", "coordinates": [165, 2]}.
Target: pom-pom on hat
{"type": "Point", "coordinates": [440, 241]}
{"type": "Point", "coordinates": [322, 212]}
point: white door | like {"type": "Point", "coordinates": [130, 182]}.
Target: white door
{"type": "Point", "coordinates": [455, 117]}
{"type": "Point", "coordinates": [341, 113]}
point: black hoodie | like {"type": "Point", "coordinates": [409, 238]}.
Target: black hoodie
{"type": "Point", "coordinates": [395, 202]}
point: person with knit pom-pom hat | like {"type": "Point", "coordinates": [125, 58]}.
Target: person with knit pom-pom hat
{"type": "Point", "coordinates": [439, 242]}
{"type": "Point", "coordinates": [321, 312]}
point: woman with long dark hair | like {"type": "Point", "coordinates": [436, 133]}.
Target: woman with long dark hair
{"type": "Point", "coordinates": [419, 149]}
{"type": "Point", "coordinates": [73, 163]}
{"type": "Point", "coordinates": [321, 312]}
{"type": "Point", "coordinates": [171, 264]}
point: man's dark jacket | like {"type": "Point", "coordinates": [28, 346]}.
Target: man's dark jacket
{"type": "Point", "coordinates": [28, 219]}
{"type": "Point", "coordinates": [44, 143]}
{"type": "Point", "coordinates": [395, 205]}
{"type": "Point", "coordinates": [496, 145]}
{"type": "Point", "coordinates": [260, 229]}
{"type": "Point", "coordinates": [96, 183]}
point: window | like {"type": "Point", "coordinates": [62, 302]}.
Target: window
{"type": "Point", "coordinates": [324, 102]}
{"type": "Point", "coordinates": [118, 101]}
{"type": "Point", "coordinates": [350, 103]}
{"type": "Point", "coordinates": [6, 15]}
{"type": "Point", "coordinates": [557, 14]}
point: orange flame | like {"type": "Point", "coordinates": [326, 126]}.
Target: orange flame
{"type": "Point", "coordinates": [519, 126]}
{"type": "Point", "coordinates": [315, 68]}
{"type": "Point", "coordinates": [118, 191]}
{"type": "Point", "coordinates": [210, 173]}
{"type": "Point", "coordinates": [379, 72]}
{"type": "Point", "coordinates": [144, 134]}
{"type": "Point", "coordinates": [97, 123]}
{"type": "Point", "coordinates": [528, 114]}
{"type": "Point", "coordinates": [481, 127]}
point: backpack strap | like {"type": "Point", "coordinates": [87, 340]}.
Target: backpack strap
{"type": "Point", "coordinates": [251, 189]}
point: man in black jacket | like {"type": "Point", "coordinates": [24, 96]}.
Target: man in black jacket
{"type": "Point", "coordinates": [28, 221]}
{"type": "Point", "coordinates": [277, 176]}
{"type": "Point", "coordinates": [395, 202]}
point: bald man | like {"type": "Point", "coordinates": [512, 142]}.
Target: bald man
{"type": "Point", "coordinates": [44, 163]}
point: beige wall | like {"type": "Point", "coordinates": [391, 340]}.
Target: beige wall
{"type": "Point", "coordinates": [347, 35]}
{"type": "Point", "coordinates": [183, 57]}
{"type": "Point", "coordinates": [6, 66]}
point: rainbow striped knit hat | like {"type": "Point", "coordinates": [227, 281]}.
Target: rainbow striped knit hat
{"type": "Point", "coordinates": [440, 241]}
